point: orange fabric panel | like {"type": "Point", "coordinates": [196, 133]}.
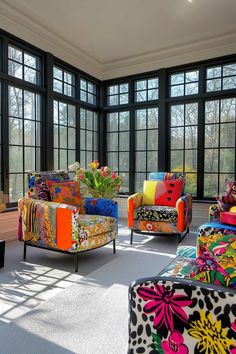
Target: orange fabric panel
{"type": "Point", "coordinates": [64, 228]}
{"type": "Point", "coordinates": [180, 209]}
{"type": "Point", "coordinates": [131, 207]}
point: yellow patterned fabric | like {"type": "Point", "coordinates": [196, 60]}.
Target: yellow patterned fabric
{"type": "Point", "coordinates": [96, 241]}
{"type": "Point", "coordinates": [149, 191]}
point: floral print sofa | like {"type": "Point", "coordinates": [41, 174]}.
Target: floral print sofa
{"type": "Point", "coordinates": [62, 227]}
{"type": "Point", "coordinates": [190, 307]}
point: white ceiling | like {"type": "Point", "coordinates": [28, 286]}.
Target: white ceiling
{"type": "Point", "coordinates": [112, 34]}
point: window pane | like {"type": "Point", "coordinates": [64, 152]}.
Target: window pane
{"type": "Point", "coordinates": [192, 76]}
{"type": "Point", "coordinates": [212, 111]}
{"type": "Point", "coordinates": [140, 137]}
{"type": "Point", "coordinates": [152, 161]}
{"type": "Point", "coordinates": [191, 137]}
{"type": "Point", "coordinates": [15, 69]}
{"type": "Point", "coordinates": [228, 110]}
{"type": "Point", "coordinates": [29, 132]}
{"type": "Point", "coordinates": [57, 86]}
{"type": "Point", "coordinates": [112, 160]}
{"type": "Point", "coordinates": [152, 95]}
{"type": "Point", "coordinates": [177, 115]}
{"type": "Point", "coordinates": [16, 159]}
{"type": "Point", "coordinates": [214, 72]}
{"type": "Point", "coordinates": [113, 90]}
{"type": "Point", "coordinates": [62, 113]}
{"type": "Point", "coordinates": [29, 159]}
{"type": "Point", "coordinates": [141, 85]}
{"type": "Point", "coordinates": [124, 88]}
{"type": "Point", "coordinates": [177, 79]}
{"type": "Point", "coordinates": [15, 187]}
{"type": "Point", "coordinates": [141, 96]}
{"type": "Point", "coordinates": [63, 160]}
{"type": "Point", "coordinates": [112, 123]}
{"type": "Point", "coordinates": [124, 98]}
{"type": "Point", "coordinates": [229, 70]}
{"type": "Point", "coordinates": [177, 90]}
{"type": "Point", "coordinates": [227, 160]}
{"type": "Point", "coordinates": [190, 160]}
{"type": "Point", "coordinates": [191, 114]}
{"type": "Point", "coordinates": [140, 122]}
{"type": "Point", "coordinates": [191, 89]}
{"type": "Point", "coordinates": [57, 73]}
{"type": "Point", "coordinates": [140, 161]}
{"type": "Point", "coordinates": [82, 139]}
{"type": "Point", "coordinates": [139, 179]}
{"type": "Point", "coordinates": [153, 140]}
{"type": "Point", "coordinates": [211, 160]}
{"type": "Point", "coordinates": [71, 116]}
{"type": "Point", "coordinates": [124, 121]}
{"type": "Point", "coordinates": [176, 160]}
{"type": "Point", "coordinates": [229, 83]}
{"type": "Point", "coordinates": [124, 141]}
{"type": "Point", "coordinates": [113, 100]}
{"type": "Point", "coordinates": [14, 54]}
{"type": "Point", "coordinates": [152, 118]}
{"type": "Point", "coordinates": [29, 105]}
{"type": "Point", "coordinates": [177, 138]}
{"type": "Point", "coordinates": [191, 183]}
{"type": "Point", "coordinates": [153, 83]}
{"type": "Point", "coordinates": [15, 102]}
{"type": "Point", "coordinates": [71, 138]}
{"type": "Point", "coordinates": [227, 135]}
{"type": "Point", "coordinates": [124, 161]}
{"type": "Point", "coordinates": [112, 141]}
{"type": "Point", "coordinates": [15, 131]}
{"type": "Point", "coordinates": [211, 135]}
{"type": "Point", "coordinates": [210, 185]}
{"type": "Point", "coordinates": [30, 75]}
{"type": "Point", "coordinates": [89, 137]}
{"type": "Point", "coordinates": [213, 85]}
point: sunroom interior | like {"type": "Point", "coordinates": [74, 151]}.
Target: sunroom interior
{"type": "Point", "coordinates": [139, 86]}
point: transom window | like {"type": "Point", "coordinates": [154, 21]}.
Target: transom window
{"type": "Point", "coordinates": [64, 124]}
{"type": "Point", "coordinates": [184, 83]}
{"type": "Point", "coordinates": [118, 94]}
{"type": "Point", "coordinates": [63, 81]}
{"type": "Point", "coordinates": [146, 90]}
{"type": "Point", "coordinates": [219, 153]}
{"type": "Point", "coordinates": [88, 92]}
{"type": "Point", "coordinates": [222, 77]}
{"type": "Point", "coordinates": [24, 65]}
{"type": "Point", "coordinates": [146, 144]}
{"type": "Point", "coordinates": [183, 142]}
{"type": "Point", "coordinates": [88, 136]}
{"type": "Point", "coordinates": [118, 130]}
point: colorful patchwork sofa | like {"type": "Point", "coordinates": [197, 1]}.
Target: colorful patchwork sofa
{"type": "Point", "coordinates": [190, 307]}
{"type": "Point", "coordinates": [62, 227]}
{"type": "Point", "coordinates": [161, 208]}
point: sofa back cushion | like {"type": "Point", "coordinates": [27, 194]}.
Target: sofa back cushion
{"type": "Point", "coordinates": [165, 193]}
{"type": "Point", "coordinates": [38, 188]}
{"type": "Point", "coordinates": [65, 192]}
{"type": "Point", "coordinates": [161, 176]}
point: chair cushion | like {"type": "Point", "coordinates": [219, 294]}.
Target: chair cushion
{"type": "Point", "coordinates": [162, 192]}
{"type": "Point", "coordinates": [92, 225]}
{"type": "Point", "coordinates": [156, 213]}
{"type": "Point", "coordinates": [65, 192]}
{"type": "Point", "coordinates": [228, 217]}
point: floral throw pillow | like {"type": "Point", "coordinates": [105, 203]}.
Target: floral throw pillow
{"type": "Point", "coordinates": [65, 193]}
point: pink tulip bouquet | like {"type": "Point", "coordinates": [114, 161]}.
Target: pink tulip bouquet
{"type": "Point", "coordinates": [95, 182]}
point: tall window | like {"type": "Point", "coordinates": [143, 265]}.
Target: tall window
{"type": "Point", "coordinates": [219, 160]}
{"type": "Point", "coordinates": [24, 139]}
{"type": "Point", "coordinates": [146, 144]}
{"type": "Point", "coordinates": [118, 94]}
{"type": "Point", "coordinates": [88, 92]}
{"type": "Point", "coordinates": [184, 83]}
{"type": "Point", "coordinates": [183, 142]}
{"type": "Point", "coordinates": [118, 127]}
{"type": "Point", "coordinates": [63, 81]}
{"type": "Point", "coordinates": [64, 123]}
{"type": "Point", "coordinates": [88, 136]}
{"type": "Point", "coordinates": [23, 65]}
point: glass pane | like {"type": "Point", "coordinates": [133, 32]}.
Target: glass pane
{"type": "Point", "coordinates": [229, 83]}
{"type": "Point", "coordinates": [83, 84]}
{"type": "Point", "coordinates": [210, 185]}
{"type": "Point", "coordinates": [15, 159]}
{"type": "Point", "coordinates": [55, 135]}
{"type": "Point", "coordinates": [82, 159]}
{"type": "Point", "coordinates": [71, 157]}
{"type": "Point", "coordinates": [63, 137]}
{"type": "Point", "coordinates": [191, 137]}
{"type": "Point", "coordinates": [124, 88]}
{"type": "Point", "coordinates": [82, 118]}
{"type": "Point", "coordinates": [15, 187]}
{"type": "Point", "coordinates": [30, 75]}
{"type": "Point", "coordinates": [29, 132]}
{"type": "Point", "coordinates": [15, 131]}
{"type": "Point", "coordinates": [191, 114]}
{"type": "Point", "coordinates": [124, 161]}
{"type": "Point", "coordinates": [152, 161]}
{"type": "Point", "coordinates": [152, 94]}
{"type": "Point", "coordinates": [95, 141]}
{"type": "Point", "coordinates": [190, 160]}
{"type": "Point", "coordinates": [227, 135]}
{"type": "Point", "coordinates": [177, 138]}
{"type": "Point", "coordinates": [90, 98]}
{"type": "Point", "coordinates": [191, 183]}
{"type": "Point", "coordinates": [176, 160]}
{"type": "Point", "coordinates": [38, 133]}
{"type": "Point", "coordinates": [57, 73]}
{"type": "Point", "coordinates": [89, 119]}
{"type": "Point", "coordinates": [29, 105]}
{"type": "Point", "coordinates": [55, 112]}
{"type": "Point", "coordinates": [140, 121]}
{"type": "Point", "coordinates": [177, 90]}
{"type": "Point", "coordinates": [141, 85]}
{"type": "Point", "coordinates": [63, 160]}
{"type": "Point", "coordinates": [213, 85]}
{"type": "Point", "coordinates": [113, 90]}
{"type": "Point", "coordinates": [113, 100]}
{"type": "Point", "coordinates": [89, 138]}
{"type": "Point", "coordinates": [140, 140]}
{"type": "Point", "coordinates": [71, 138]}
{"type": "Point", "coordinates": [112, 160]}
{"type": "Point", "coordinates": [139, 179]}
{"type": "Point", "coordinates": [153, 83]}
{"type": "Point", "coordinates": [56, 152]}
{"type": "Point", "coordinates": [15, 54]}
{"type": "Point", "coordinates": [152, 139]}
{"type": "Point", "coordinates": [68, 90]}
{"type": "Point", "coordinates": [212, 135]}
{"type": "Point", "coordinates": [223, 177]}
{"type": "Point", "coordinates": [112, 122]}
{"type": "Point", "coordinates": [68, 78]}
{"type": "Point", "coordinates": [177, 115]}
{"type": "Point", "coordinates": [112, 141]}
{"type": "Point", "coordinates": [191, 89]}
{"type": "Point", "coordinates": [214, 72]}
{"type": "Point", "coordinates": [211, 160]}
{"type": "Point", "coordinates": [140, 161]}
{"type": "Point", "coordinates": [71, 116]}
{"type": "Point", "coordinates": [212, 111]}
{"type": "Point", "coordinates": [82, 139]}
{"type": "Point", "coordinates": [229, 70]}
{"type": "Point", "coordinates": [125, 186]}
{"type": "Point", "coordinates": [29, 159]}
{"type": "Point", "coordinates": [83, 96]}
{"type": "Point", "coordinates": [124, 121]}
{"type": "Point", "coordinates": [15, 102]}
{"type": "Point", "coordinates": [141, 96]}
{"type": "Point", "coordinates": [15, 69]}
{"type": "Point", "coordinates": [124, 98]}
{"type": "Point", "coordinates": [62, 113]}
{"type": "Point", "coordinates": [177, 79]}
{"type": "Point", "coordinates": [192, 76]}
{"type": "Point", "coordinates": [227, 160]}
{"type": "Point", "coordinates": [228, 110]}
{"type": "Point", "coordinates": [152, 118]}
{"type": "Point", "coordinates": [124, 141]}
{"type": "Point", "coordinates": [57, 86]}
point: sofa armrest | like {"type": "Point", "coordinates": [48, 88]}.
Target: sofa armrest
{"type": "Point", "coordinates": [184, 209]}
{"type": "Point", "coordinates": [47, 223]}
{"type": "Point", "coordinates": [167, 313]}
{"type": "Point", "coordinates": [134, 201]}
{"type": "Point", "coordinates": [101, 206]}
{"type": "Point", "coordinates": [214, 212]}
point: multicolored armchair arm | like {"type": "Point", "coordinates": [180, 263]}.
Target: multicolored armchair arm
{"type": "Point", "coordinates": [170, 315]}
{"type": "Point", "coordinates": [134, 201]}
{"type": "Point", "coordinates": [184, 208]}
{"type": "Point", "coordinates": [214, 212]}
{"type": "Point", "coordinates": [101, 206]}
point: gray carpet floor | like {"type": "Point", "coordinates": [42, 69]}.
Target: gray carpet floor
{"type": "Point", "coordinates": [46, 308]}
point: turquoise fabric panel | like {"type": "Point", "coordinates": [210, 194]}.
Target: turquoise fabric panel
{"type": "Point", "coordinates": [186, 251]}
{"type": "Point", "coordinates": [157, 176]}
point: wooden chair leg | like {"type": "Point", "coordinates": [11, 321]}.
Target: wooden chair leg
{"type": "Point", "coordinates": [131, 237]}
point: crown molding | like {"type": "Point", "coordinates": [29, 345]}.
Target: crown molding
{"type": "Point", "coordinates": [21, 22]}
{"type": "Point", "coordinates": [172, 56]}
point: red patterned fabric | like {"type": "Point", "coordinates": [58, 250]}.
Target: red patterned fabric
{"type": "Point", "coordinates": [172, 191]}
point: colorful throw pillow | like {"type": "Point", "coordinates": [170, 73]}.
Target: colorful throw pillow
{"type": "Point", "coordinates": [65, 193]}
{"type": "Point", "coordinates": [164, 193]}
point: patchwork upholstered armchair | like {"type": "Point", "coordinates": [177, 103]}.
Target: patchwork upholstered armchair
{"type": "Point", "coordinates": [56, 217]}
{"type": "Point", "coordinates": [161, 207]}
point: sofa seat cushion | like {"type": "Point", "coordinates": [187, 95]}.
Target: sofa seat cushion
{"type": "Point", "coordinates": [156, 213]}
{"type": "Point", "coordinates": [92, 225]}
